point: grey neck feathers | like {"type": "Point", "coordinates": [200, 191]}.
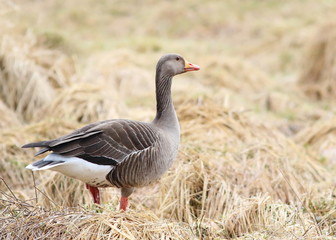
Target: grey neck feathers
{"type": "Point", "coordinates": [164, 104]}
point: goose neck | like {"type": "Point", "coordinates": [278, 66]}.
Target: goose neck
{"type": "Point", "coordinates": [164, 105]}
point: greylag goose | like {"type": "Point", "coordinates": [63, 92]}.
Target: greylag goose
{"type": "Point", "coordinates": [121, 153]}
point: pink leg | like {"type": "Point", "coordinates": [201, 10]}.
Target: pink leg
{"type": "Point", "coordinates": [123, 203]}
{"type": "Point", "coordinates": [95, 193]}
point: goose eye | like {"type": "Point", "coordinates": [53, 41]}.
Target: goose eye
{"type": "Point", "coordinates": [177, 58]}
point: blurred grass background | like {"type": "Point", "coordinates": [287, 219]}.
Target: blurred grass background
{"type": "Point", "coordinates": [258, 152]}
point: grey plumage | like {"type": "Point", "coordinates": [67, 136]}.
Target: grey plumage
{"type": "Point", "coordinates": [138, 153]}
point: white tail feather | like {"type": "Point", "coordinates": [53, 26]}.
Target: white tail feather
{"type": "Point", "coordinates": [78, 168]}
{"type": "Point", "coordinates": [34, 168]}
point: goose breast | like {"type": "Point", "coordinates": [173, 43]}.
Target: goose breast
{"type": "Point", "coordinates": [146, 166]}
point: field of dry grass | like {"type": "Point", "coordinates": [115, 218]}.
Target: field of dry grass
{"type": "Point", "coordinates": [258, 152]}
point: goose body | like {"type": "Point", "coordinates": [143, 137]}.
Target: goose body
{"type": "Point", "coordinates": [121, 153]}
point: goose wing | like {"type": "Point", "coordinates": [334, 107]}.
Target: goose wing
{"type": "Point", "coordinates": [103, 143]}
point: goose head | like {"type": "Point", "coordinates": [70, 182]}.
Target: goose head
{"type": "Point", "coordinates": [173, 64]}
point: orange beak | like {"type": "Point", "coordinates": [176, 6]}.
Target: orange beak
{"type": "Point", "coordinates": [190, 67]}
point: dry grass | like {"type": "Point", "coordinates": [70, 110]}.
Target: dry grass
{"type": "Point", "coordinates": [322, 138]}
{"type": "Point", "coordinates": [235, 74]}
{"type": "Point", "coordinates": [318, 77]}
{"type": "Point", "coordinates": [29, 74]}
{"type": "Point", "coordinates": [24, 220]}
{"type": "Point", "coordinates": [257, 159]}
{"type": "Point", "coordinates": [82, 102]}
{"type": "Point", "coordinates": [8, 117]}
